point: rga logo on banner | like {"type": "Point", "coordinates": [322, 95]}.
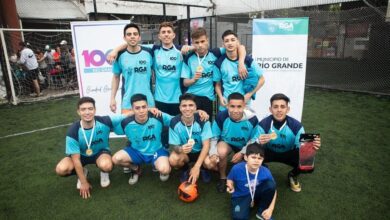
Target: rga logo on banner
{"type": "Point", "coordinates": [283, 26]}
{"type": "Point", "coordinates": [287, 26]}
{"type": "Point", "coordinates": [95, 61]}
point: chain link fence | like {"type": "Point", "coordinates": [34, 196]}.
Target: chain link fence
{"type": "Point", "coordinates": [347, 50]}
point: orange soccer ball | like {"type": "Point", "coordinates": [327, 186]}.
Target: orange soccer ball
{"type": "Point", "coordinates": [188, 192]}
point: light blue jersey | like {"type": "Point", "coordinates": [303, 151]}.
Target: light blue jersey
{"type": "Point", "coordinates": [136, 70]}
{"type": "Point", "coordinates": [287, 137]}
{"type": "Point", "coordinates": [146, 138]}
{"type": "Point", "coordinates": [76, 143]}
{"type": "Point", "coordinates": [235, 133]}
{"type": "Point", "coordinates": [226, 72]}
{"type": "Point", "coordinates": [204, 86]}
{"type": "Point", "coordinates": [178, 134]}
{"type": "Point", "coordinates": [167, 68]}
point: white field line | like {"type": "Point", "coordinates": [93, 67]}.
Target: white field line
{"type": "Point", "coordinates": [33, 131]}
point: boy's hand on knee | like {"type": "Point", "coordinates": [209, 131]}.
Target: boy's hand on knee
{"type": "Point", "coordinates": [237, 157]}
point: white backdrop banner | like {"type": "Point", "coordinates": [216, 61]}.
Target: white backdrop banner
{"type": "Point", "coordinates": [92, 41]}
{"type": "Point", "coordinates": [280, 48]}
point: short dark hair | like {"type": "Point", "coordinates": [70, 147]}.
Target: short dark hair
{"type": "Point", "coordinates": [131, 25]}
{"type": "Point", "coordinates": [236, 96]}
{"type": "Point", "coordinates": [255, 148]}
{"type": "Point", "coordinates": [187, 96]}
{"type": "Point", "coordinates": [166, 24]}
{"type": "Point", "coordinates": [198, 32]}
{"type": "Point", "coordinates": [85, 99]}
{"type": "Point", "coordinates": [138, 97]}
{"type": "Point", "coordinates": [279, 96]}
{"type": "Point", "coordinates": [228, 32]}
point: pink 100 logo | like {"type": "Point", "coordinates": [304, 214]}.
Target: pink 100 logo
{"type": "Point", "coordinates": [95, 57]}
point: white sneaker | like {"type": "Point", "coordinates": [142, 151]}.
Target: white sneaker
{"type": "Point", "coordinates": [164, 177]}
{"type": "Point", "coordinates": [134, 174]}
{"type": "Point", "coordinates": [78, 185]}
{"type": "Point", "coordinates": [104, 179]}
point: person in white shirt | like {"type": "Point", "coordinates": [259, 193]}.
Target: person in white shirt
{"type": "Point", "coordinates": [29, 60]}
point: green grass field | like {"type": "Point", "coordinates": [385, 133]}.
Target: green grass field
{"type": "Point", "coordinates": [351, 180]}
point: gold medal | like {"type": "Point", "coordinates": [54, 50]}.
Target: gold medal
{"type": "Point", "coordinates": [191, 142]}
{"type": "Point", "coordinates": [199, 69]}
{"type": "Point", "coordinates": [252, 204]}
{"type": "Point", "coordinates": [273, 135]}
{"type": "Point", "coordinates": [89, 152]}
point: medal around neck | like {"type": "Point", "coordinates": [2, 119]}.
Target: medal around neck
{"type": "Point", "coordinates": [89, 152]}
{"type": "Point", "coordinates": [273, 135]}
{"type": "Point", "coordinates": [191, 142]}
{"type": "Point", "coordinates": [199, 69]}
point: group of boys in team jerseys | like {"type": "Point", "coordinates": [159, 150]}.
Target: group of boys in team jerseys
{"type": "Point", "coordinates": [152, 121]}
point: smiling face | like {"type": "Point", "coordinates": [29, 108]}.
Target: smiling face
{"type": "Point", "coordinates": [236, 109]}
{"type": "Point", "coordinates": [187, 108]}
{"type": "Point", "coordinates": [230, 42]}
{"type": "Point", "coordinates": [87, 112]}
{"type": "Point", "coordinates": [279, 109]}
{"type": "Point", "coordinates": [132, 36]}
{"type": "Point", "coordinates": [140, 109]}
{"type": "Point", "coordinates": [166, 35]}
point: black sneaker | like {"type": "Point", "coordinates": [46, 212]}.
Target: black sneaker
{"type": "Point", "coordinates": [294, 184]}
{"type": "Point", "coordinates": [221, 186]}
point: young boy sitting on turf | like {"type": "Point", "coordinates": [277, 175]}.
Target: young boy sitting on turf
{"type": "Point", "coordinates": [250, 184]}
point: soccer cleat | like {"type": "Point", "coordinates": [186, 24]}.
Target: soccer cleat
{"type": "Point", "coordinates": [104, 179]}
{"type": "Point", "coordinates": [205, 174]}
{"type": "Point", "coordinates": [294, 184]}
{"type": "Point", "coordinates": [134, 175]}
{"type": "Point", "coordinates": [221, 186]}
{"type": "Point", "coordinates": [164, 177]}
{"type": "Point", "coordinates": [184, 176]}
{"type": "Point", "coordinates": [78, 185]}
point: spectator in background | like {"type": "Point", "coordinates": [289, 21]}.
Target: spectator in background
{"type": "Point", "coordinates": [42, 67]}
{"type": "Point", "coordinates": [29, 60]}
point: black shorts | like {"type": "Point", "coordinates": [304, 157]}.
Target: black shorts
{"type": "Point", "coordinates": [92, 159]}
{"type": "Point", "coordinates": [289, 157]}
{"type": "Point", "coordinates": [172, 109]}
{"type": "Point", "coordinates": [205, 104]}
{"type": "Point", "coordinates": [193, 157]}
{"type": "Point", "coordinates": [33, 74]}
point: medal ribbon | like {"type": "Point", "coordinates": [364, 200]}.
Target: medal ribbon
{"type": "Point", "coordinates": [85, 136]}
{"type": "Point", "coordinates": [200, 61]}
{"type": "Point", "coordinates": [190, 131]}
{"type": "Point", "coordinates": [252, 192]}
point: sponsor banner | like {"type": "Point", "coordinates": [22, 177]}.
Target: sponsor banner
{"type": "Point", "coordinates": [280, 48]}
{"type": "Point", "coordinates": [93, 40]}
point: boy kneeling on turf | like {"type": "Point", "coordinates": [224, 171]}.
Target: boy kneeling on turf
{"type": "Point", "coordinates": [250, 184]}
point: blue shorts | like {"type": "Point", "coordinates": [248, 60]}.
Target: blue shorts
{"type": "Point", "coordinates": [139, 158]}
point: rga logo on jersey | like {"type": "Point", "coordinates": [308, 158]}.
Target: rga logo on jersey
{"type": "Point", "coordinates": [169, 67]}
{"type": "Point", "coordinates": [95, 61]}
{"type": "Point", "coordinates": [236, 78]}
{"type": "Point", "coordinates": [149, 138]}
{"type": "Point", "coordinates": [237, 139]}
